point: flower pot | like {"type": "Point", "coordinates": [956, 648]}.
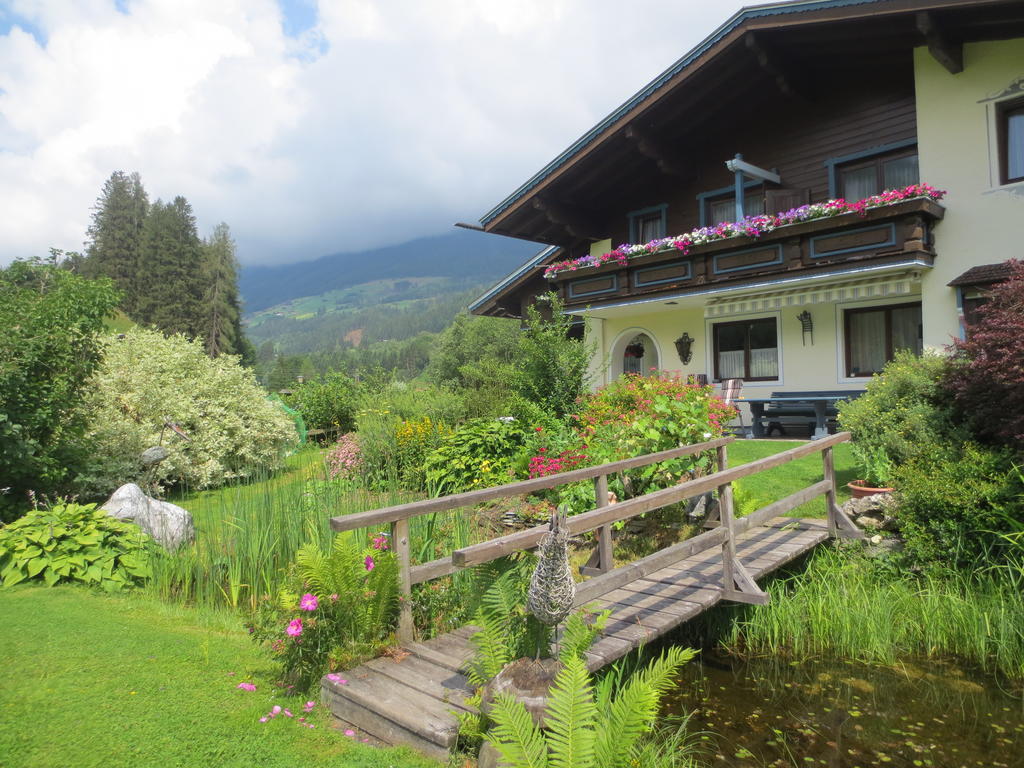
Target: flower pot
{"type": "Point", "coordinates": [859, 489]}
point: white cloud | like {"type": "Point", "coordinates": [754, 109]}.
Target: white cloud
{"type": "Point", "coordinates": [386, 120]}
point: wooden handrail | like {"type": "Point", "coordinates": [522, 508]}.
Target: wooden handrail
{"type": "Point", "coordinates": [378, 517]}
{"type": "Point", "coordinates": [623, 510]}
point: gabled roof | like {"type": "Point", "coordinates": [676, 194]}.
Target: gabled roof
{"type": "Point", "coordinates": [511, 281]}
{"type": "Point", "coordinates": [985, 274]}
{"type": "Point", "coordinates": [649, 90]}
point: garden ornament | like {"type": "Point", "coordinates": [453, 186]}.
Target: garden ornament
{"type": "Point", "coordinates": [552, 588]}
{"type": "Point", "coordinates": [684, 346]}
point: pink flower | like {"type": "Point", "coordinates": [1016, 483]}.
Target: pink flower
{"type": "Point", "coordinates": [309, 706]}
{"type": "Point", "coordinates": [294, 627]}
{"type": "Point", "coordinates": [350, 732]}
{"type": "Point", "coordinates": [334, 597]}
{"type": "Point", "coordinates": [380, 541]}
{"type": "Point", "coordinates": [288, 713]}
{"type": "Point", "coordinates": [275, 711]}
{"type": "Point", "coordinates": [263, 719]}
{"type": "Point", "coordinates": [309, 602]}
{"type": "Point", "coordinates": [368, 562]}
{"type": "Point", "coordinates": [246, 686]}
{"type": "Point", "coordinates": [334, 678]}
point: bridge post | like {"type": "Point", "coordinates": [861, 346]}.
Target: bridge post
{"type": "Point", "coordinates": [725, 520]}
{"type": "Point", "coordinates": [400, 541]}
{"type": "Point", "coordinates": [839, 524]}
{"type": "Point", "coordinates": [602, 560]}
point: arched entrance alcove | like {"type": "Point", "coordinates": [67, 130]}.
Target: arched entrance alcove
{"type": "Point", "coordinates": [634, 351]}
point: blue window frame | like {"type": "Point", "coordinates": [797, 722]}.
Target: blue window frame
{"type": "Point", "coordinates": [648, 224]}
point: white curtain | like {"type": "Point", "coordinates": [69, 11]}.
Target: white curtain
{"type": "Point", "coordinates": [867, 342]}
{"type": "Point", "coordinates": [1015, 145]}
{"type": "Point", "coordinates": [906, 329]}
{"type": "Point", "coordinates": [901, 172]}
{"type": "Point", "coordinates": [730, 365]}
{"type": "Point", "coordinates": [764, 363]}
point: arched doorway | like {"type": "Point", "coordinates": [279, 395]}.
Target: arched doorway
{"type": "Point", "coordinates": [635, 352]}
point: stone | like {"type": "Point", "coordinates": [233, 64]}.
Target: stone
{"type": "Point", "coordinates": [877, 512]}
{"type": "Point", "coordinates": [168, 524]}
{"type": "Point", "coordinates": [489, 757]}
{"type": "Point", "coordinates": [528, 680]}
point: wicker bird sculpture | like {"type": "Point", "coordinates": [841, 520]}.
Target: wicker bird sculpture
{"type": "Point", "coordinates": [552, 588]}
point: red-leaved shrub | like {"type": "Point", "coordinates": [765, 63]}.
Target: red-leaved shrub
{"type": "Point", "coordinates": [986, 379]}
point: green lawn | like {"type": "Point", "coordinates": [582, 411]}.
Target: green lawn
{"type": "Point", "coordinates": [91, 680]}
{"type": "Point", "coordinates": [776, 483]}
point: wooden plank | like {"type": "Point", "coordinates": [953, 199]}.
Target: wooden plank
{"type": "Point", "coordinates": [588, 521]}
{"type": "Point", "coordinates": [780, 507]}
{"type": "Point", "coordinates": [623, 599]}
{"type": "Point", "coordinates": [377, 517]}
{"type": "Point", "coordinates": [400, 542]}
{"type": "Point", "coordinates": [406, 708]}
{"type": "Point", "coordinates": [435, 656]}
{"type": "Point", "coordinates": [437, 682]}
{"type": "Point", "coordinates": [455, 645]}
{"type": "Point", "coordinates": [435, 569]}
{"type": "Point", "coordinates": [607, 649]}
{"type": "Point", "coordinates": [598, 585]}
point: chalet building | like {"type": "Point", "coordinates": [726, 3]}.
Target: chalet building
{"type": "Point", "coordinates": [784, 107]}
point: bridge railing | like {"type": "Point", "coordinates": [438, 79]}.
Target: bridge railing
{"type": "Point", "coordinates": [738, 585]}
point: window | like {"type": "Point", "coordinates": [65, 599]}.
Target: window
{"type": "Point", "coordinates": [647, 224]}
{"type": "Point", "coordinates": [875, 334]}
{"type": "Point", "coordinates": [747, 349]}
{"type": "Point", "coordinates": [638, 354]}
{"type": "Point", "coordinates": [1011, 142]}
{"type": "Point", "coordinates": [863, 178]}
{"type": "Point", "coordinates": [724, 209]}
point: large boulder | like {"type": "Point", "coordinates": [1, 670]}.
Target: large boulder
{"type": "Point", "coordinates": [876, 512]}
{"type": "Point", "coordinates": [168, 524]}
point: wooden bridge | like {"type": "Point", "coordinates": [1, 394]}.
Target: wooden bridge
{"type": "Point", "coordinates": [412, 697]}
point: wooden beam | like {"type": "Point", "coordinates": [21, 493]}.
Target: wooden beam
{"type": "Point", "coordinates": [579, 224]}
{"type": "Point", "coordinates": [668, 160]}
{"type": "Point", "coordinates": [378, 517]}
{"type": "Point", "coordinates": [789, 82]}
{"type": "Point", "coordinates": [948, 53]}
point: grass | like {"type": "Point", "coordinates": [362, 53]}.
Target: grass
{"type": "Point", "coordinates": [92, 680]}
{"type": "Point", "coordinates": [845, 605]}
{"type": "Point", "coordinates": [774, 484]}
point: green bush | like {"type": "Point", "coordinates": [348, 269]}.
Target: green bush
{"type": "Point", "coordinates": [51, 320]}
{"type": "Point", "coordinates": [339, 610]}
{"type": "Point", "coordinates": [479, 454]}
{"type": "Point", "coordinates": [146, 379]}
{"type": "Point", "coordinates": [327, 403]}
{"type": "Point", "coordinates": [73, 543]}
{"type": "Point", "coordinates": [903, 415]}
{"type": "Point", "coordinates": [953, 508]}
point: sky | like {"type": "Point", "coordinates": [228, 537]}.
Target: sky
{"type": "Point", "coordinates": [310, 126]}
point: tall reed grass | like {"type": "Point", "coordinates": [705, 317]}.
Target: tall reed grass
{"type": "Point", "coordinates": [846, 605]}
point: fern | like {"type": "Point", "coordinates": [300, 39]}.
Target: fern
{"type": "Point", "coordinates": [630, 714]}
{"type": "Point", "coordinates": [570, 717]}
{"type": "Point", "coordinates": [515, 735]}
{"type": "Point", "coordinates": [493, 651]}
{"type": "Point", "coordinates": [579, 635]}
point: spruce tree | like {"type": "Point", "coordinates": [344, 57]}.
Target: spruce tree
{"type": "Point", "coordinates": [222, 319]}
{"type": "Point", "coordinates": [171, 276]}
{"type": "Point", "coordinates": [115, 236]}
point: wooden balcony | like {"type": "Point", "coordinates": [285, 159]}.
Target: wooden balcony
{"type": "Point", "coordinates": [893, 234]}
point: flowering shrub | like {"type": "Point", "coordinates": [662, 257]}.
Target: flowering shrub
{"type": "Point", "coordinates": [542, 465]}
{"type": "Point", "coordinates": [751, 226]}
{"type": "Point", "coordinates": [480, 454]}
{"type": "Point", "coordinates": [147, 378]}
{"type": "Point", "coordinates": [415, 440]}
{"type": "Point", "coordinates": [637, 414]}
{"type": "Point", "coordinates": [345, 459]}
{"type": "Point", "coordinates": [342, 610]}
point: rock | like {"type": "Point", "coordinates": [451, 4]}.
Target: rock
{"type": "Point", "coordinates": [528, 680]}
{"type": "Point", "coordinates": [489, 757]}
{"type": "Point", "coordinates": [168, 524]}
{"type": "Point", "coordinates": [876, 512]}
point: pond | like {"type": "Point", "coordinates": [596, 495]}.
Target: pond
{"type": "Point", "coordinates": [845, 715]}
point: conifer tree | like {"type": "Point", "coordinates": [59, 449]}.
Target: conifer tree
{"type": "Point", "coordinates": [115, 235]}
{"type": "Point", "coordinates": [171, 275]}
{"type": "Point", "coordinates": [222, 321]}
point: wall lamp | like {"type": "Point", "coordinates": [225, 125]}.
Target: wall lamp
{"type": "Point", "coordinates": [684, 346]}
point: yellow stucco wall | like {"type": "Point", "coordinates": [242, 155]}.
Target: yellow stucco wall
{"type": "Point", "coordinates": [958, 152]}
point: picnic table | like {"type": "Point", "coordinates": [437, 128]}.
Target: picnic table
{"type": "Point", "coordinates": [787, 405]}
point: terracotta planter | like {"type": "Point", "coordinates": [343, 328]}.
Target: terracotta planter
{"type": "Point", "coordinates": [859, 489]}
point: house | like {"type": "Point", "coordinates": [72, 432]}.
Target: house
{"type": "Point", "coordinates": [781, 109]}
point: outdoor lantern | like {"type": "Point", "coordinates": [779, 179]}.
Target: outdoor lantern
{"type": "Point", "coordinates": [806, 326]}
{"type": "Point", "coordinates": [684, 346]}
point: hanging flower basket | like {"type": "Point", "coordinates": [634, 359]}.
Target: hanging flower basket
{"type": "Point", "coordinates": [634, 350]}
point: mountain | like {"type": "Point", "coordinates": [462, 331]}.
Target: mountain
{"type": "Point", "coordinates": [467, 256]}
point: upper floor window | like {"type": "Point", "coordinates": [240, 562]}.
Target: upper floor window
{"type": "Point", "coordinates": [1011, 141]}
{"type": "Point", "coordinates": [869, 176]}
{"type": "Point", "coordinates": [647, 224]}
{"type": "Point", "coordinates": [723, 209]}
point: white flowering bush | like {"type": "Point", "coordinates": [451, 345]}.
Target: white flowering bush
{"type": "Point", "coordinates": [147, 379]}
